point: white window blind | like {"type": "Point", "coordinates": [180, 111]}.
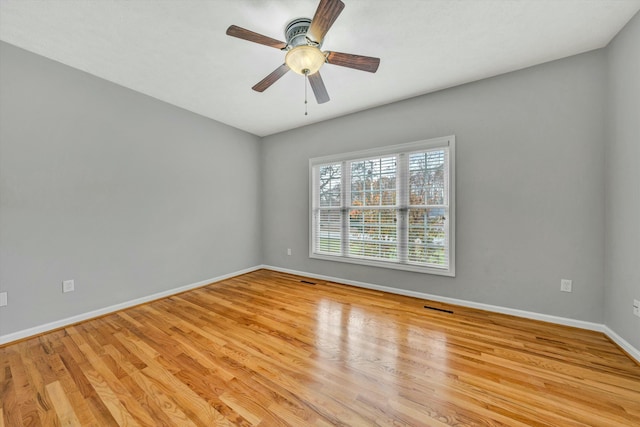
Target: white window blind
{"type": "Point", "coordinates": [389, 207]}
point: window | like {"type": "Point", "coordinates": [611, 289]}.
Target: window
{"type": "Point", "coordinates": [391, 207]}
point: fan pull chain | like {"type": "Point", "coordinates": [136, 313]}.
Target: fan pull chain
{"type": "Point", "coordinates": [306, 78]}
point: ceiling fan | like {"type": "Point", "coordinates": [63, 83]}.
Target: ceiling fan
{"type": "Point", "coordinates": [304, 39]}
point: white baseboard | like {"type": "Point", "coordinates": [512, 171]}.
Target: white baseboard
{"type": "Point", "coordinates": [464, 303]}
{"type": "Point", "coordinates": [622, 343]}
{"type": "Point", "coordinates": [632, 351]}
{"type": "Point", "coordinates": [25, 333]}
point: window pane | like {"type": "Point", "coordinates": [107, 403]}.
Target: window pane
{"type": "Point", "coordinates": [427, 178]}
{"type": "Point", "coordinates": [372, 233]}
{"type": "Point", "coordinates": [330, 179]}
{"type": "Point", "coordinates": [373, 182]}
{"type": "Point", "coordinates": [328, 232]}
{"type": "Point", "coordinates": [386, 207]}
{"type": "Point", "coordinates": [427, 237]}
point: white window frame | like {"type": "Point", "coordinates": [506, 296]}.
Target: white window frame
{"type": "Point", "coordinates": [400, 150]}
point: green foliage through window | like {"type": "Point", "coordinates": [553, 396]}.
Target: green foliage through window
{"type": "Point", "coordinates": [392, 208]}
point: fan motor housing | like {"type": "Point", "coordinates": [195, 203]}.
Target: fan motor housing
{"type": "Point", "coordinates": [296, 33]}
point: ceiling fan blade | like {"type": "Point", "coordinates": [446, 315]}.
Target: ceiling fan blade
{"type": "Point", "coordinates": [264, 84]}
{"type": "Point", "coordinates": [326, 14]}
{"type": "Point", "coordinates": [359, 62]}
{"type": "Point", "coordinates": [245, 34]}
{"type": "Point", "coordinates": [319, 90]}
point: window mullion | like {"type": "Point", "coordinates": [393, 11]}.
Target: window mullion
{"type": "Point", "coordinates": [345, 205]}
{"type": "Point", "coordinates": [402, 203]}
{"type": "Point", "coordinates": [315, 209]}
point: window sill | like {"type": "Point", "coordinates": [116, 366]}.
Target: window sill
{"type": "Point", "coordinates": [382, 264]}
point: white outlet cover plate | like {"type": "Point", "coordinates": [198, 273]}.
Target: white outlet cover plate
{"type": "Point", "coordinates": [3, 299]}
{"type": "Point", "coordinates": [565, 285]}
{"type": "Point", "coordinates": [68, 286]}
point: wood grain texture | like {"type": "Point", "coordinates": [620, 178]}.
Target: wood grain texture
{"type": "Point", "coordinates": [266, 349]}
{"type": "Point", "coordinates": [273, 77]}
{"type": "Point", "coordinates": [319, 89]}
{"type": "Point", "coordinates": [244, 34]}
{"type": "Point", "coordinates": [358, 62]}
{"type": "Point", "coordinates": [326, 14]}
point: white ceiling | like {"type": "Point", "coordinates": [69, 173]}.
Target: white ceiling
{"type": "Point", "coordinates": [177, 50]}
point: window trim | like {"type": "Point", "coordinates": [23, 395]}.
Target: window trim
{"type": "Point", "coordinates": [427, 144]}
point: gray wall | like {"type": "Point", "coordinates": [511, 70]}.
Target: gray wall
{"type": "Point", "coordinates": [125, 194]}
{"type": "Point", "coordinates": [120, 191]}
{"type": "Point", "coordinates": [529, 190]}
{"type": "Point", "coordinates": [622, 270]}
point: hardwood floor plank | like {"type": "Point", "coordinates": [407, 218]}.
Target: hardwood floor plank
{"type": "Point", "coordinates": [207, 414]}
{"type": "Point", "coordinates": [30, 390]}
{"type": "Point", "coordinates": [109, 398]}
{"type": "Point", "coordinates": [76, 371]}
{"type": "Point", "coordinates": [163, 401]}
{"type": "Point", "coordinates": [10, 406]}
{"type": "Point", "coordinates": [266, 349]}
{"type": "Point", "coordinates": [110, 385]}
{"type": "Point", "coordinates": [75, 397]}
{"type": "Point", "coordinates": [61, 405]}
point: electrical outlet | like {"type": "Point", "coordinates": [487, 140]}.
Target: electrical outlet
{"type": "Point", "coordinates": [636, 307]}
{"type": "Point", "coordinates": [3, 299]}
{"type": "Point", "coordinates": [565, 285]}
{"type": "Point", "coordinates": [68, 286]}
{"type": "Point", "coordinates": [289, 251]}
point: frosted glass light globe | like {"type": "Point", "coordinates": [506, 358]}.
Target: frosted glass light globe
{"type": "Point", "coordinates": [305, 59]}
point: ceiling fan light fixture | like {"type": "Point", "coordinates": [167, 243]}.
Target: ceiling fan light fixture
{"type": "Point", "coordinates": [304, 40]}
{"type": "Point", "coordinates": [305, 59]}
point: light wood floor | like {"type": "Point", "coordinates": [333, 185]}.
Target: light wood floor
{"type": "Point", "coordinates": [267, 349]}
